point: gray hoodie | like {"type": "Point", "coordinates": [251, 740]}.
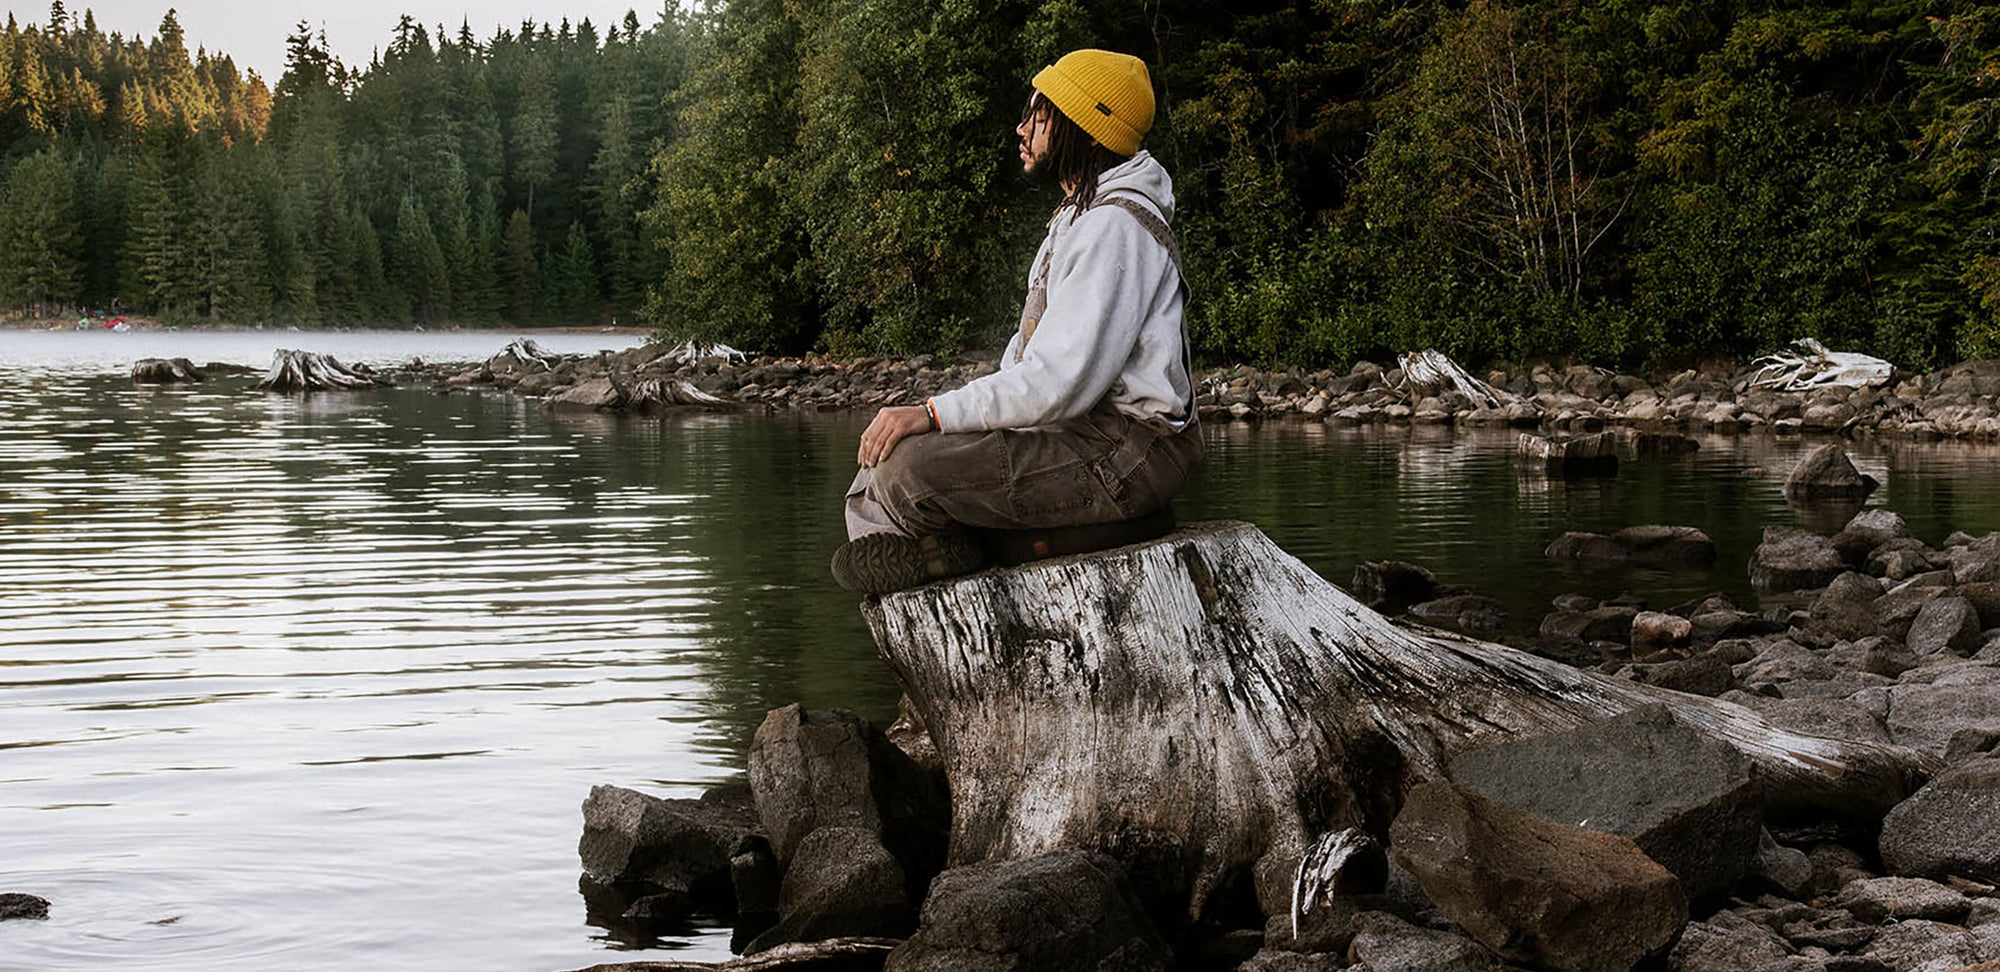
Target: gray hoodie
{"type": "Point", "coordinates": [1112, 330]}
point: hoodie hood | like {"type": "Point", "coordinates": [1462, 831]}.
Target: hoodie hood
{"type": "Point", "coordinates": [1142, 176]}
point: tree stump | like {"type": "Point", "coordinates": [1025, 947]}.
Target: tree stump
{"type": "Point", "coordinates": [165, 371]}
{"type": "Point", "coordinates": [1204, 702]}
{"type": "Point", "coordinates": [307, 371]}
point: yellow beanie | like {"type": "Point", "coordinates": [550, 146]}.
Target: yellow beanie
{"type": "Point", "coordinates": [1108, 95]}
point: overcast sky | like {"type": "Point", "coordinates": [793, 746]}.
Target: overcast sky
{"type": "Point", "coordinates": [253, 31]}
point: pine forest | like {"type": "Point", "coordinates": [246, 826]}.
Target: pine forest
{"type": "Point", "coordinates": [1632, 182]}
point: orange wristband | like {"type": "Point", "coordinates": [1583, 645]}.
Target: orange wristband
{"type": "Point", "coordinates": [931, 410]}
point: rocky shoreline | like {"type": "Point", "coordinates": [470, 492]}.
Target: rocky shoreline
{"type": "Point", "coordinates": [1875, 636]}
{"type": "Point", "coordinates": [1961, 401]}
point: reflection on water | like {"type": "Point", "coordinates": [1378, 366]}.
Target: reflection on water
{"type": "Point", "coordinates": [324, 679]}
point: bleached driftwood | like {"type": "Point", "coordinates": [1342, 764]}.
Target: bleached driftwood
{"type": "Point", "coordinates": [307, 371]}
{"type": "Point", "coordinates": [1429, 372]}
{"type": "Point", "coordinates": [1810, 365]}
{"type": "Point", "coordinates": [1205, 701]}
{"type": "Point", "coordinates": [693, 351]}
{"type": "Point", "coordinates": [661, 391]}
{"type": "Point", "coordinates": [527, 353]}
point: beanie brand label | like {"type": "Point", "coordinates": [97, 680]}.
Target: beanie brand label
{"type": "Point", "coordinates": [1106, 111]}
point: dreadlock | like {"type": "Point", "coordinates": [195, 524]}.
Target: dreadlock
{"type": "Point", "coordinates": [1075, 159]}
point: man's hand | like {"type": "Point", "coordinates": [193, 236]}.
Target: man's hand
{"type": "Point", "coordinates": [890, 426]}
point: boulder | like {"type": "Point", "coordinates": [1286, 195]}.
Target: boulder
{"type": "Point", "coordinates": [1609, 623]}
{"type": "Point", "coordinates": [631, 838]}
{"type": "Point", "coordinates": [1786, 869]}
{"type": "Point", "coordinates": [1700, 675]}
{"type": "Point", "coordinates": [1070, 911]}
{"type": "Point", "coordinates": [1584, 455]}
{"type": "Point", "coordinates": [1386, 943]}
{"type": "Point", "coordinates": [1726, 943]}
{"type": "Point", "coordinates": [1654, 632]}
{"type": "Point", "coordinates": [1643, 546]}
{"type": "Point", "coordinates": [14, 904]}
{"type": "Point", "coordinates": [1947, 624]}
{"type": "Point", "coordinates": [1900, 560]}
{"type": "Point", "coordinates": [1467, 612]}
{"type": "Point", "coordinates": [1826, 472]}
{"type": "Point", "coordinates": [594, 393]}
{"type": "Point", "coordinates": [1869, 529]}
{"type": "Point", "coordinates": [1950, 827]}
{"type": "Point", "coordinates": [841, 883]}
{"type": "Point", "coordinates": [1391, 586]}
{"type": "Point", "coordinates": [1896, 610]}
{"type": "Point", "coordinates": [1985, 598]}
{"type": "Point", "coordinates": [1875, 900]}
{"type": "Point", "coordinates": [1791, 559]}
{"type": "Point", "coordinates": [1688, 801]}
{"type": "Point", "coordinates": [1924, 946]}
{"type": "Point", "coordinates": [1927, 716]}
{"type": "Point", "coordinates": [1556, 896]}
{"type": "Point", "coordinates": [813, 769]}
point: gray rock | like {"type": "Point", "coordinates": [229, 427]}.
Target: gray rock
{"type": "Point", "coordinates": [1391, 586]}
{"type": "Point", "coordinates": [1875, 900]}
{"type": "Point", "coordinates": [1271, 960]}
{"type": "Point", "coordinates": [1725, 945]}
{"type": "Point", "coordinates": [1898, 609]}
{"type": "Point", "coordinates": [1385, 943]}
{"type": "Point", "coordinates": [1945, 624]}
{"type": "Point", "coordinates": [1642, 546]}
{"type": "Point", "coordinates": [1826, 472]}
{"type": "Point", "coordinates": [14, 904]}
{"type": "Point", "coordinates": [1901, 559]}
{"type": "Point", "coordinates": [594, 393]}
{"type": "Point", "coordinates": [1924, 946]}
{"type": "Point", "coordinates": [1927, 716]}
{"type": "Point", "coordinates": [1846, 609]}
{"type": "Point", "coordinates": [1869, 529]}
{"type": "Point", "coordinates": [813, 769]}
{"type": "Point", "coordinates": [1065, 912]}
{"type": "Point", "coordinates": [1985, 598]}
{"type": "Point", "coordinates": [1701, 675]}
{"type": "Point", "coordinates": [753, 871]}
{"type": "Point", "coordinates": [1985, 911]}
{"type": "Point", "coordinates": [680, 845]}
{"type": "Point", "coordinates": [1784, 660]}
{"type": "Point", "coordinates": [1688, 801]}
{"type": "Point", "coordinates": [1468, 612]}
{"type": "Point", "coordinates": [1609, 623]}
{"type": "Point", "coordinates": [1787, 869]}
{"type": "Point", "coordinates": [1559, 897]}
{"type": "Point", "coordinates": [841, 882]}
{"type": "Point", "coordinates": [1835, 866]}
{"type": "Point", "coordinates": [1950, 827]}
{"type": "Point", "coordinates": [1791, 559]}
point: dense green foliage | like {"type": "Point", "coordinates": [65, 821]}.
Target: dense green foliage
{"type": "Point", "coordinates": [1631, 182]}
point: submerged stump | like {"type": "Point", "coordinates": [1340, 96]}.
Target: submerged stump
{"type": "Point", "coordinates": [1202, 703]}
{"type": "Point", "coordinates": [308, 371]}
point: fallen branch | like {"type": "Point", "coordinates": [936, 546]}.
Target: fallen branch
{"type": "Point", "coordinates": [1810, 365]}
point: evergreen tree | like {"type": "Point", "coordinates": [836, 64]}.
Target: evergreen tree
{"type": "Point", "coordinates": [533, 143]}
{"type": "Point", "coordinates": [573, 294]}
{"type": "Point", "coordinates": [518, 273]}
{"type": "Point", "coordinates": [41, 252]}
{"type": "Point", "coordinates": [421, 272]}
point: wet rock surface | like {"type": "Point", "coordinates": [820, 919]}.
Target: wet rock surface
{"type": "Point", "coordinates": [1056, 913]}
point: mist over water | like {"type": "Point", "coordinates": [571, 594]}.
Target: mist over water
{"type": "Point", "coordinates": [321, 680]}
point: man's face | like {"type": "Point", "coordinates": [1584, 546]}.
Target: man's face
{"type": "Point", "coordinates": [1034, 133]}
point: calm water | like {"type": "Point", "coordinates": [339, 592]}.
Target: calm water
{"type": "Point", "coordinates": [320, 681]}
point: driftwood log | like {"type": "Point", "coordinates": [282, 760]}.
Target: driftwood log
{"type": "Point", "coordinates": [307, 371]}
{"type": "Point", "coordinates": [1205, 702]}
{"type": "Point", "coordinates": [166, 371]}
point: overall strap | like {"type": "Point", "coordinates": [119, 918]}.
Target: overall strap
{"type": "Point", "coordinates": [1157, 228]}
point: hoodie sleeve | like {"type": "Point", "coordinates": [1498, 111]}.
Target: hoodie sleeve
{"type": "Point", "coordinates": [1100, 288]}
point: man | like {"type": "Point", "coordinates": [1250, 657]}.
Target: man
{"type": "Point", "coordinates": [1090, 418]}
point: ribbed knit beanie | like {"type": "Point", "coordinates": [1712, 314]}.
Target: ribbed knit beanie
{"type": "Point", "coordinates": [1109, 96]}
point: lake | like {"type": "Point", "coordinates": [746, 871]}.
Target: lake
{"type": "Point", "coordinates": [320, 681]}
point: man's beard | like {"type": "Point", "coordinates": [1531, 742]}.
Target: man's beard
{"type": "Point", "coordinates": [1041, 170]}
